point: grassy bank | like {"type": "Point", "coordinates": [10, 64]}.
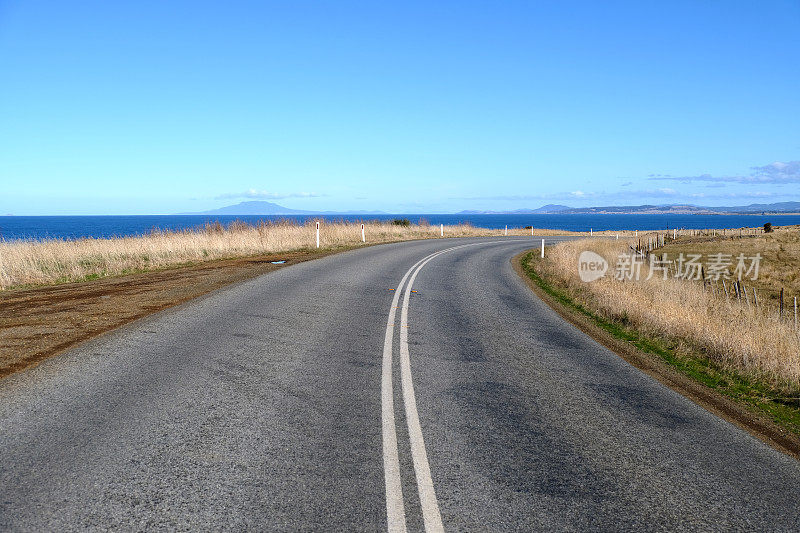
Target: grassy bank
{"type": "Point", "coordinates": [33, 263]}
{"type": "Point", "coordinates": [779, 250]}
{"type": "Point", "coordinates": [744, 353]}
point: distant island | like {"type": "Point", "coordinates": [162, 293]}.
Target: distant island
{"type": "Point", "coordinates": [682, 209]}
{"type": "Point", "coordinates": [257, 207]}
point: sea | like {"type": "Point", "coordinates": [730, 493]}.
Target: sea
{"type": "Point", "coordinates": [76, 227]}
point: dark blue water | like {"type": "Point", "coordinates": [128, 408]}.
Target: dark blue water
{"type": "Point", "coordinates": [73, 227]}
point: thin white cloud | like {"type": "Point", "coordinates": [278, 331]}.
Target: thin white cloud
{"type": "Point", "coordinates": [771, 175]}
{"type": "Point", "coordinates": [512, 197]}
{"type": "Point", "coordinates": [267, 195]}
{"type": "Point", "coordinates": [665, 194]}
{"type": "Point", "coordinates": [734, 195]}
{"type": "Point", "coordinates": [672, 194]}
{"type": "Point", "coordinates": [775, 173]}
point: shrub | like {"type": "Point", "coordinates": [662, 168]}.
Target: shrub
{"type": "Point", "coordinates": [401, 222]}
{"type": "Point", "coordinates": [767, 227]}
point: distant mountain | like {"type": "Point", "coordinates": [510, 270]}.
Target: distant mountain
{"type": "Point", "coordinates": [640, 210]}
{"type": "Point", "coordinates": [545, 209]}
{"type": "Point", "coordinates": [681, 209]}
{"type": "Point", "coordinates": [777, 207]}
{"type": "Point", "coordinates": [260, 207]}
{"type": "Point", "coordinates": [254, 207]}
{"type": "Point", "coordinates": [551, 208]}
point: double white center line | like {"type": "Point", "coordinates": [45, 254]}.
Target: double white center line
{"type": "Point", "coordinates": [395, 510]}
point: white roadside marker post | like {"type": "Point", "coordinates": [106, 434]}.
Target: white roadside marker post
{"type": "Point", "coordinates": [363, 237]}
{"type": "Point", "coordinates": [317, 234]}
{"type": "Point", "coordinates": [591, 232]}
{"type": "Point", "coordinates": [531, 230]}
{"type": "Point", "coordinates": [506, 230]}
{"type": "Point", "coordinates": [441, 230]}
{"type": "Point", "coordinates": [617, 236]}
{"type": "Point", "coordinates": [542, 248]}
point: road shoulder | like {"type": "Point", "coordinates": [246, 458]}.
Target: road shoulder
{"type": "Point", "coordinates": [39, 323]}
{"type": "Point", "coordinates": [653, 365]}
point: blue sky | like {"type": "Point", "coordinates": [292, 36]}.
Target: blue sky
{"type": "Point", "coordinates": [162, 107]}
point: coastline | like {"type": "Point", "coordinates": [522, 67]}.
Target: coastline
{"type": "Point", "coordinates": [118, 226]}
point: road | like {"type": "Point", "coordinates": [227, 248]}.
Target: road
{"type": "Point", "coordinates": [321, 397]}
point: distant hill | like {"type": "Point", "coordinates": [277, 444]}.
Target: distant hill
{"type": "Point", "coordinates": [260, 207]}
{"type": "Point", "coordinates": [777, 207]}
{"type": "Point", "coordinates": [545, 209]}
{"type": "Point", "coordinates": [681, 209]}
{"type": "Point", "coordinates": [641, 210]}
{"type": "Point", "coordinates": [551, 208]}
{"type": "Point", "coordinates": [254, 207]}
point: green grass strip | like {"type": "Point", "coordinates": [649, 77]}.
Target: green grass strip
{"type": "Point", "coordinates": [758, 396]}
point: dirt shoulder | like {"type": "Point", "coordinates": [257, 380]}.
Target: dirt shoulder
{"type": "Point", "coordinates": [650, 363]}
{"type": "Point", "coordinates": [39, 323]}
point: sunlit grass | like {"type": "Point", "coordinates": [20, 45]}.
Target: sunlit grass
{"type": "Point", "coordinates": [728, 332]}
{"type": "Point", "coordinates": [25, 263]}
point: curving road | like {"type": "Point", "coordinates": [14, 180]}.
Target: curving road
{"type": "Point", "coordinates": [388, 387]}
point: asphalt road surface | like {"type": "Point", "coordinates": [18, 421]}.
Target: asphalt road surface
{"type": "Point", "coordinates": [319, 398]}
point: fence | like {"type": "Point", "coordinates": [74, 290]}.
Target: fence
{"type": "Point", "coordinates": [785, 307]}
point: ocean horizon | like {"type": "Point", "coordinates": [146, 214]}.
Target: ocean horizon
{"type": "Point", "coordinates": [109, 226]}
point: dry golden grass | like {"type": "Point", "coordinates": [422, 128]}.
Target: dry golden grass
{"type": "Point", "coordinates": [25, 263]}
{"type": "Point", "coordinates": [780, 263]}
{"type": "Point", "coordinates": [736, 336]}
